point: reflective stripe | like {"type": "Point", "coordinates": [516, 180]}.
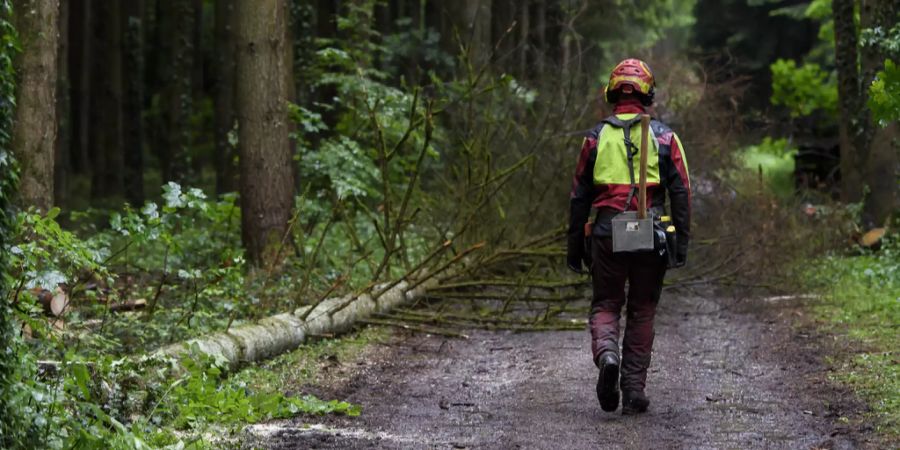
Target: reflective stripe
{"type": "Point", "coordinates": [611, 166]}
{"type": "Point", "coordinates": [681, 155]}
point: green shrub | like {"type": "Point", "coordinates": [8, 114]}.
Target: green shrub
{"type": "Point", "coordinates": [805, 89]}
{"type": "Point", "coordinates": [884, 95]}
{"type": "Point", "coordinates": [775, 159]}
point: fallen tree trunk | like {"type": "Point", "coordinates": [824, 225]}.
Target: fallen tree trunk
{"type": "Point", "coordinates": [128, 305]}
{"type": "Point", "coordinates": [283, 332]}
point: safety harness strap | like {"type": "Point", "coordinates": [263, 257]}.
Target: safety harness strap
{"type": "Point", "coordinates": [630, 149]}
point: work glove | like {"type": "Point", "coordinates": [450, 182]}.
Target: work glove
{"type": "Point", "coordinates": [576, 254]}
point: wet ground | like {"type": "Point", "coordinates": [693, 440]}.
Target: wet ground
{"type": "Point", "coordinates": [721, 378]}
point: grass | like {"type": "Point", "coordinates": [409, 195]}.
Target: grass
{"type": "Point", "coordinates": [302, 366]}
{"type": "Point", "coordinates": [210, 414]}
{"type": "Point", "coordinates": [861, 300]}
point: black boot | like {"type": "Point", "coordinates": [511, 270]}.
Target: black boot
{"type": "Point", "coordinates": [608, 382]}
{"type": "Point", "coordinates": [634, 402]}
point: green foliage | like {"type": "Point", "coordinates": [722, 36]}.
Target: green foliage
{"type": "Point", "coordinates": [862, 298]}
{"type": "Point", "coordinates": [888, 41]}
{"type": "Point", "coordinates": [45, 255]}
{"type": "Point", "coordinates": [774, 159]}
{"type": "Point", "coordinates": [823, 52]}
{"type": "Point", "coordinates": [15, 417]}
{"type": "Point", "coordinates": [193, 242]}
{"type": "Point", "coordinates": [884, 94]}
{"type": "Point", "coordinates": [805, 89]}
{"type": "Point", "coordinates": [622, 27]}
{"type": "Point", "coordinates": [135, 403]}
{"type": "Point", "coordinates": [811, 87]}
{"type": "Point", "coordinates": [203, 397]}
{"type": "Point", "coordinates": [745, 37]}
{"type": "Point", "coordinates": [413, 45]}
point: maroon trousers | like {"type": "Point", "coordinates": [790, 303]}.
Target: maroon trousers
{"type": "Point", "coordinates": [644, 273]}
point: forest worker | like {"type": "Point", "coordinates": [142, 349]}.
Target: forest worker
{"type": "Point", "coordinates": [604, 187]}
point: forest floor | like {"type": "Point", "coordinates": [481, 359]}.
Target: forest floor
{"type": "Point", "coordinates": [726, 373]}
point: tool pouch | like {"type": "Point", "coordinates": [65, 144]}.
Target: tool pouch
{"type": "Point", "coordinates": [630, 234]}
{"type": "Point", "coordinates": [666, 240]}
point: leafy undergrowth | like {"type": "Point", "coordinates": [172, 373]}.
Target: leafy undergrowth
{"type": "Point", "coordinates": [861, 299]}
{"type": "Point", "coordinates": [157, 402]}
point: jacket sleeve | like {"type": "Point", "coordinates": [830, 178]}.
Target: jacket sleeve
{"type": "Point", "coordinates": [580, 199]}
{"type": "Point", "coordinates": [678, 185]}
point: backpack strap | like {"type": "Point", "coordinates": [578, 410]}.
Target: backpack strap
{"type": "Point", "coordinates": [630, 149]}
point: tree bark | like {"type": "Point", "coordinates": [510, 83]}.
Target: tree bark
{"type": "Point", "coordinates": [133, 136]}
{"type": "Point", "coordinates": [265, 162]}
{"type": "Point", "coordinates": [846, 58]}
{"type": "Point", "coordinates": [541, 31]}
{"type": "Point", "coordinates": [226, 168]}
{"type": "Point", "coordinates": [283, 332]}
{"type": "Point", "coordinates": [176, 64]}
{"type": "Point", "coordinates": [63, 157]}
{"type": "Point", "coordinates": [868, 153]}
{"type": "Point", "coordinates": [882, 155]}
{"type": "Point", "coordinates": [105, 127]}
{"type": "Point", "coordinates": [80, 76]}
{"type": "Point", "coordinates": [504, 28]}
{"type": "Point", "coordinates": [34, 131]}
{"type": "Point", "coordinates": [524, 41]}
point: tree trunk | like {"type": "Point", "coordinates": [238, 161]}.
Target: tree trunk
{"type": "Point", "coordinates": [846, 58]}
{"type": "Point", "coordinates": [176, 63]}
{"type": "Point", "coordinates": [34, 130]}
{"type": "Point", "coordinates": [284, 332]}
{"type": "Point", "coordinates": [472, 20]}
{"type": "Point", "coordinates": [868, 155]}
{"type": "Point", "coordinates": [882, 173]}
{"type": "Point", "coordinates": [541, 31]}
{"type": "Point", "coordinates": [226, 169]}
{"type": "Point", "coordinates": [63, 157]}
{"type": "Point", "coordinates": [105, 127]}
{"type": "Point", "coordinates": [504, 29]}
{"type": "Point", "coordinates": [80, 75]}
{"type": "Point", "coordinates": [524, 42]}
{"type": "Point", "coordinates": [289, 79]}
{"type": "Point", "coordinates": [133, 136]}
{"type": "Point", "coordinates": [265, 162]}
{"type": "Point", "coordinates": [881, 163]}
{"type": "Point", "coordinates": [478, 19]}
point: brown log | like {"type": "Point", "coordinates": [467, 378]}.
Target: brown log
{"type": "Point", "coordinates": [872, 238]}
{"type": "Point", "coordinates": [55, 302]}
{"type": "Point", "coordinates": [129, 305]}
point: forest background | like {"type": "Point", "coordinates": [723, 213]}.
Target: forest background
{"type": "Point", "coordinates": [172, 168]}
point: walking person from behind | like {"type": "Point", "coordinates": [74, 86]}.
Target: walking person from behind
{"type": "Point", "coordinates": [609, 235]}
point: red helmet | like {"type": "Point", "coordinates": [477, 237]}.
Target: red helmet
{"type": "Point", "coordinates": [631, 76]}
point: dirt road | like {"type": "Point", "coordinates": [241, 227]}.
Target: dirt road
{"type": "Point", "coordinates": [720, 378]}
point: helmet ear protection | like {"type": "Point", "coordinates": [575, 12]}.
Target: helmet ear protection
{"type": "Point", "coordinates": [634, 74]}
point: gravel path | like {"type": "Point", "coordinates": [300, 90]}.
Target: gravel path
{"type": "Point", "coordinates": [719, 379]}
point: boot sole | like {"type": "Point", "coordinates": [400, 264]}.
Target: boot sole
{"type": "Point", "coordinates": [632, 411]}
{"type": "Point", "coordinates": [607, 385]}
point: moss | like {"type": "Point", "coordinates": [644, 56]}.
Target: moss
{"type": "Point", "coordinates": [861, 301]}
{"type": "Point", "coordinates": [302, 366]}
